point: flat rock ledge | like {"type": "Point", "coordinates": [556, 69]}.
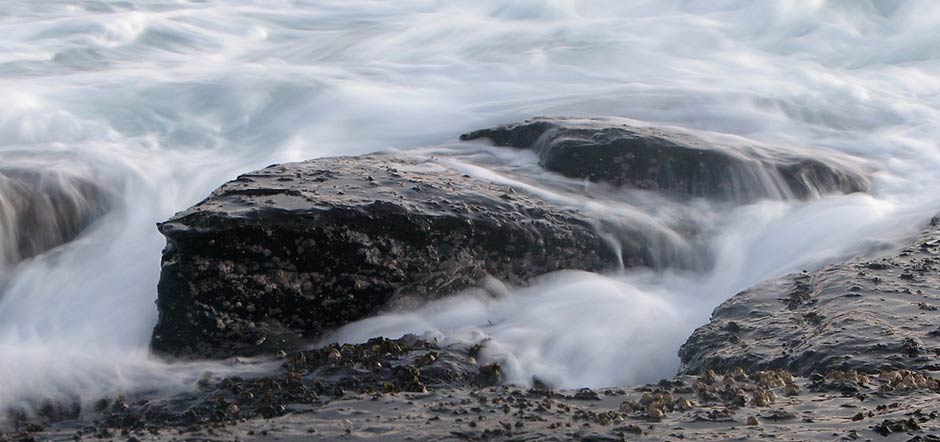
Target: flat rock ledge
{"type": "Point", "coordinates": [866, 315]}
{"type": "Point", "coordinates": [673, 161]}
{"type": "Point", "coordinates": [282, 254]}
{"type": "Point", "coordinates": [413, 390]}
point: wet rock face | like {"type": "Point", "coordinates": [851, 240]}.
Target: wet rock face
{"type": "Point", "coordinates": [41, 209]}
{"type": "Point", "coordinates": [282, 254]}
{"type": "Point", "coordinates": [671, 161]}
{"type": "Point", "coordinates": [865, 316]}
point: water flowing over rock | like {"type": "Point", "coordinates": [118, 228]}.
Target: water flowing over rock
{"type": "Point", "coordinates": [279, 256]}
{"type": "Point", "coordinates": [866, 315]}
{"type": "Point", "coordinates": [42, 208]}
{"type": "Point", "coordinates": [672, 161]}
{"type": "Point", "coordinates": [292, 250]}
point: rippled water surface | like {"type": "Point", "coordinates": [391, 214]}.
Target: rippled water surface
{"type": "Point", "coordinates": [134, 110]}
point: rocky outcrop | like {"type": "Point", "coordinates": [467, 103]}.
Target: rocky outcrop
{"type": "Point", "coordinates": [42, 208]}
{"type": "Point", "coordinates": [282, 254]}
{"type": "Point", "coordinates": [672, 161]}
{"type": "Point", "coordinates": [866, 315]}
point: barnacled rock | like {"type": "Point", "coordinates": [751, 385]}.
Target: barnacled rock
{"type": "Point", "coordinates": [844, 320]}
{"type": "Point", "coordinates": [285, 253]}
{"type": "Point", "coordinates": [282, 255]}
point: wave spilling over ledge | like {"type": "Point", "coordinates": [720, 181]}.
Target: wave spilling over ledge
{"type": "Point", "coordinates": [42, 207]}
{"type": "Point", "coordinates": [674, 161]}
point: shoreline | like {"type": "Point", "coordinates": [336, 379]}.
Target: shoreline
{"type": "Point", "coordinates": [409, 389]}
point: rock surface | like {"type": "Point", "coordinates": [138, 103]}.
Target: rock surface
{"type": "Point", "coordinates": [287, 252]}
{"type": "Point", "coordinates": [866, 315]}
{"type": "Point", "coordinates": [411, 390]}
{"type": "Point", "coordinates": [673, 161]}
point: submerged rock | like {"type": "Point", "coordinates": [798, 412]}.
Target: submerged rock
{"type": "Point", "coordinates": [287, 252]}
{"type": "Point", "coordinates": [865, 316]}
{"type": "Point", "coordinates": [42, 208]}
{"type": "Point", "coordinates": [672, 161]}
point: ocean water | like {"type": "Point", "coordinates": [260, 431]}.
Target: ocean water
{"type": "Point", "coordinates": [130, 111]}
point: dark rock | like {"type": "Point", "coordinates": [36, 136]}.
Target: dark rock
{"type": "Point", "coordinates": [586, 394]}
{"type": "Point", "coordinates": [491, 374]}
{"type": "Point", "coordinates": [672, 161]}
{"type": "Point", "coordinates": [805, 323]}
{"type": "Point", "coordinates": [889, 426]}
{"type": "Point", "coordinates": [283, 254]}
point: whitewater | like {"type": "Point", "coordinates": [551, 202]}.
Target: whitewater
{"type": "Point", "coordinates": [154, 103]}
